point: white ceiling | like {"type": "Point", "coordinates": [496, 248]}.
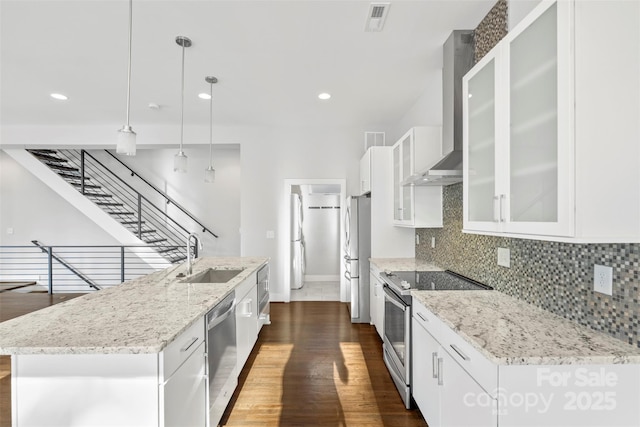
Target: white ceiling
{"type": "Point", "coordinates": [272, 58]}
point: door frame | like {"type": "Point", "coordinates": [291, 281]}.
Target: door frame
{"type": "Point", "coordinates": [285, 234]}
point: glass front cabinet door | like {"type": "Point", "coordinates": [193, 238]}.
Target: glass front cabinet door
{"type": "Point", "coordinates": [519, 130]}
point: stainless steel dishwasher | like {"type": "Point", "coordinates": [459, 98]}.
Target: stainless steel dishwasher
{"type": "Point", "coordinates": [221, 356]}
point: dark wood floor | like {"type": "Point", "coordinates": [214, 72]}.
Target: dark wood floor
{"type": "Point", "coordinates": [14, 304]}
{"type": "Point", "coordinates": [312, 367]}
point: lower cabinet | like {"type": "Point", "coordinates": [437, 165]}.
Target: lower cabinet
{"type": "Point", "coordinates": [376, 301]}
{"type": "Point", "coordinates": [442, 389]}
{"type": "Point", "coordinates": [453, 384]}
{"type": "Point", "coordinates": [185, 393]}
{"type": "Point", "coordinates": [246, 319]}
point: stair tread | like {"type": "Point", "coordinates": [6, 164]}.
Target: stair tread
{"type": "Point", "coordinates": [119, 213]}
{"type": "Point", "coordinates": [62, 167]}
{"type": "Point", "coordinates": [109, 204]}
{"type": "Point", "coordinates": [42, 150]}
{"type": "Point", "coordinates": [49, 158]}
{"type": "Point", "coordinates": [150, 242]}
{"type": "Point", "coordinates": [131, 222]}
{"type": "Point", "coordinates": [96, 194]}
{"type": "Point", "coordinates": [148, 231]}
{"type": "Point", "coordinates": [77, 184]}
{"type": "Point", "coordinates": [70, 176]}
{"type": "Point", "coordinates": [165, 250]}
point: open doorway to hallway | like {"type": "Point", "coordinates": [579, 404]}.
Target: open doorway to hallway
{"type": "Point", "coordinates": [313, 267]}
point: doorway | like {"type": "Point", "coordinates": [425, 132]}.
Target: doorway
{"type": "Point", "coordinates": [314, 236]}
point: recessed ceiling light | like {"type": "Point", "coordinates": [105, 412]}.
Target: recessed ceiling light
{"type": "Point", "coordinates": [324, 96]}
{"type": "Point", "coordinates": [204, 96]}
{"type": "Point", "coordinates": [59, 96]}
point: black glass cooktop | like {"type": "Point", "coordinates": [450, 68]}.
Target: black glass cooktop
{"type": "Point", "coordinates": [432, 281]}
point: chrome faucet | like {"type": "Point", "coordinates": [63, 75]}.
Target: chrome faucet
{"type": "Point", "coordinates": [195, 236]}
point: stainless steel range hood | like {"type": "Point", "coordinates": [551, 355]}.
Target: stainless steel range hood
{"type": "Point", "coordinates": [457, 60]}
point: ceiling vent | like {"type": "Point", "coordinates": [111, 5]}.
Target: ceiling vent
{"type": "Point", "coordinates": [373, 139]}
{"type": "Point", "coordinates": [377, 15]}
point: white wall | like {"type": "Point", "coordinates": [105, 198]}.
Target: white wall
{"type": "Point", "coordinates": [518, 9]}
{"type": "Point", "coordinates": [35, 212]}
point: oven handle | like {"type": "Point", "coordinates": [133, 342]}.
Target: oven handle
{"type": "Point", "coordinates": [392, 298]}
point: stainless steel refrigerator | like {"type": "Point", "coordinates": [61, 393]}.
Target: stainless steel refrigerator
{"type": "Point", "coordinates": [357, 253]}
{"type": "Point", "coordinates": [297, 244]}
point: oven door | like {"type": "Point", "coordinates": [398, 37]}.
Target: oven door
{"type": "Point", "coordinates": [397, 339]}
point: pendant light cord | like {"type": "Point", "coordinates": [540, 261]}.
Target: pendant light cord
{"type": "Point", "coordinates": [182, 104]}
{"type": "Point", "coordinates": [129, 70]}
{"type": "Point", "coordinates": [211, 127]}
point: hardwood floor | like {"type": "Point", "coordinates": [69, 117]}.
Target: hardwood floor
{"type": "Point", "coordinates": [14, 304]}
{"type": "Point", "coordinates": [312, 367]}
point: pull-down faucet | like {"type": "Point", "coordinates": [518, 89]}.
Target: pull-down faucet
{"type": "Point", "coordinates": [195, 236]}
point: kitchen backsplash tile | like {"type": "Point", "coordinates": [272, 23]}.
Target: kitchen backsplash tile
{"type": "Point", "coordinates": [493, 27]}
{"type": "Point", "coordinates": [557, 277]}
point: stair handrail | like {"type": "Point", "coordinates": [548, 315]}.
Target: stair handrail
{"type": "Point", "coordinates": [49, 250]}
{"type": "Point", "coordinates": [140, 197]}
{"type": "Point", "coordinates": [156, 189]}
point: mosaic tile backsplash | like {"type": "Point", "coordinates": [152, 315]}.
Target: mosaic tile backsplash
{"type": "Point", "coordinates": [557, 277]}
{"type": "Point", "coordinates": [493, 27]}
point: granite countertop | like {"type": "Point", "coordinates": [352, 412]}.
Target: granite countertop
{"type": "Point", "coordinates": [403, 264]}
{"type": "Point", "coordinates": [509, 331]}
{"type": "Point", "coordinates": [143, 315]}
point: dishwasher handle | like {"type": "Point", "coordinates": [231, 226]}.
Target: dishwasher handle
{"type": "Point", "coordinates": [221, 312]}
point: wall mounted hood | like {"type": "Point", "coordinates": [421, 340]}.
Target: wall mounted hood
{"type": "Point", "coordinates": [458, 55]}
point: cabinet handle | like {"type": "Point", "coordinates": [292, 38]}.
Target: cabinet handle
{"type": "Point", "coordinates": [434, 363]}
{"type": "Point", "coordinates": [460, 353]}
{"type": "Point", "coordinates": [440, 376]}
{"type": "Point", "coordinates": [502, 198]}
{"type": "Point", "coordinates": [421, 316]}
{"type": "Point", "coordinates": [192, 342]}
{"type": "Point", "coordinates": [496, 209]}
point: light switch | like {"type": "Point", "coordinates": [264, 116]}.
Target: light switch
{"type": "Point", "coordinates": [10, 230]}
{"type": "Point", "coordinates": [271, 234]}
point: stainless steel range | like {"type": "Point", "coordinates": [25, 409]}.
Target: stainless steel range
{"type": "Point", "coordinates": [397, 316]}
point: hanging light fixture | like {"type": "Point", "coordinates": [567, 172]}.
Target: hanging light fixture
{"type": "Point", "coordinates": [210, 172]}
{"type": "Point", "coordinates": [126, 140]}
{"type": "Point", "coordinates": [180, 159]}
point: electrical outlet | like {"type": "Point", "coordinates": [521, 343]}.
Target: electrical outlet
{"type": "Point", "coordinates": [504, 257]}
{"type": "Point", "coordinates": [10, 230]}
{"type": "Point", "coordinates": [417, 239]}
{"type": "Point", "coordinates": [433, 242]}
{"type": "Point", "coordinates": [603, 279]}
{"type": "Point", "coordinates": [271, 234]}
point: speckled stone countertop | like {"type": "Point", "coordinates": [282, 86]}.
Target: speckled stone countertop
{"type": "Point", "coordinates": [139, 316]}
{"type": "Point", "coordinates": [509, 331]}
{"type": "Point", "coordinates": [402, 264]}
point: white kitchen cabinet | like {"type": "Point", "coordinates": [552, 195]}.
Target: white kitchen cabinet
{"type": "Point", "coordinates": [185, 392]}
{"type": "Point", "coordinates": [365, 173]}
{"type": "Point", "coordinates": [161, 389]}
{"type": "Point", "coordinates": [246, 319]}
{"type": "Point", "coordinates": [416, 206]}
{"type": "Point", "coordinates": [441, 387]}
{"type": "Point", "coordinates": [376, 300]}
{"type": "Point", "coordinates": [550, 129]}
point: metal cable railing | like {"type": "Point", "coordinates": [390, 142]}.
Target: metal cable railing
{"type": "Point", "coordinates": [60, 269]}
{"type": "Point", "coordinates": [144, 218]}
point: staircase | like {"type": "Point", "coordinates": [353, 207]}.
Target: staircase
{"type": "Point", "coordinates": [107, 190]}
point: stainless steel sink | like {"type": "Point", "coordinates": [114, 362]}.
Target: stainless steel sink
{"type": "Point", "coordinates": [212, 275]}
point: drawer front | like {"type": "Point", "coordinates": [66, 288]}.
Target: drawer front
{"type": "Point", "coordinates": [181, 348]}
{"type": "Point", "coordinates": [483, 371]}
{"type": "Point", "coordinates": [426, 318]}
{"type": "Point", "coordinates": [247, 285]}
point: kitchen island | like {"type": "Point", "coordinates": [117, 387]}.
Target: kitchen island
{"type": "Point", "coordinates": [116, 357]}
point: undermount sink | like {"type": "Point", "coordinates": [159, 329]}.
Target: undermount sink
{"type": "Point", "coordinates": [212, 275]}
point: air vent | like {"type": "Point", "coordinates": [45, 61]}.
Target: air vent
{"type": "Point", "coordinates": [377, 15]}
{"type": "Point", "coordinates": [373, 139]}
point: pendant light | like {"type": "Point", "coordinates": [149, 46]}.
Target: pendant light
{"type": "Point", "coordinates": [180, 159]}
{"type": "Point", "coordinates": [210, 172]}
{"type": "Point", "coordinates": [126, 140]}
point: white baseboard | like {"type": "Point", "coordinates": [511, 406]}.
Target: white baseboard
{"type": "Point", "coordinates": [321, 278]}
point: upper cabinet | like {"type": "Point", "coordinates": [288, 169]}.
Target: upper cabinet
{"type": "Point", "coordinates": [415, 206]}
{"type": "Point", "coordinates": [551, 133]}
{"type": "Point", "coordinates": [365, 173]}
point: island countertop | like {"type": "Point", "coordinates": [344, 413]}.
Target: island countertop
{"type": "Point", "coordinates": [143, 315]}
{"type": "Point", "coordinates": [509, 331]}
